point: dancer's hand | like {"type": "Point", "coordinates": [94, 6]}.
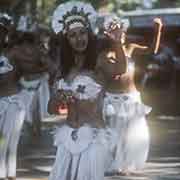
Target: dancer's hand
{"type": "Point", "coordinates": [158, 21]}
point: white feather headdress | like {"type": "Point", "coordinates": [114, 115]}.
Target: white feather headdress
{"type": "Point", "coordinates": [72, 14]}
{"type": "Point", "coordinates": [107, 21]}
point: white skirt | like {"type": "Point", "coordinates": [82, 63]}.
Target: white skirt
{"type": "Point", "coordinates": [82, 153]}
{"type": "Point", "coordinates": [12, 114]}
{"type": "Point", "coordinates": [12, 109]}
{"type": "Point", "coordinates": [37, 98]}
{"type": "Point", "coordinates": [44, 94]}
{"type": "Point", "coordinates": [136, 145]}
{"type": "Point", "coordinates": [126, 115]}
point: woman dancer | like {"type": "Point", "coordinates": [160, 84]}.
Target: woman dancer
{"type": "Point", "coordinates": [12, 105]}
{"type": "Point", "coordinates": [34, 64]}
{"type": "Point", "coordinates": [77, 51]}
{"type": "Point", "coordinates": [78, 43]}
{"type": "Point", "coordinates": [82, 141]}
{"type": "Point", "coordinates": [123, 109]}
{"type": "Point", "coordinates": [116, 29]}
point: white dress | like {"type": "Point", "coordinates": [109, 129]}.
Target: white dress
{"type": "Point", "coordinates": [82, 153]}
{"type": "Point", "coordinates": [125, 113]}
{"type": "Point", "coordinates": [12, 115]}
{"type": "Point", "coordinates": [38, 95]}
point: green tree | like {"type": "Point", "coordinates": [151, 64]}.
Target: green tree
{"type": "Point", "coordinates": [95, 3]}
{"type": "Point", "coordinates": [45, 7]}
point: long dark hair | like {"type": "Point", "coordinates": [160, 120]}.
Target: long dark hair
{"type": "Point", "coordinates": [67, 58]}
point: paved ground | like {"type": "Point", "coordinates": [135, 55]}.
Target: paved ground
{"type": "Point", "coordinates": [36, 156]}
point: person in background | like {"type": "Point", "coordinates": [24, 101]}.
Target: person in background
{"type": "Point", "coordinates": [12, 103]}
{"type": "Point", "coordinates": [34, 63]}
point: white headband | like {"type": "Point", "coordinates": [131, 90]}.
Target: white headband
{"type": "Point", "coordinates": [75, 25]}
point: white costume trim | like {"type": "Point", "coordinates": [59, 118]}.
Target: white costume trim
{"type": "Point", "coordinates": [38, 95]}
{"type": "Point", "coordinates": [82, 138]}
{"type": "Point", "coordinates": [34, 84]}
{"type": "Point", "coordinates": [64, 16]}
{"type": "Point", "coordinates": [90, 88]}
{"type": "Point", "coordinates": [126, 115]}
{"type": "Point", "coordinates": [5, 65]}
{"type": "Point", "coordinates": [75, 25]}
{"type": "Point", "coordinates": [82, 154]}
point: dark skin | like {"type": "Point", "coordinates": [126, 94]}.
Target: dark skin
{"type": "Point", "coordinates": [3, 33]}
{"type": "Point", "coordinates": [79, 111]}
{"type": "Point", "coordinates": [110, 72]}
{"type": "Point", "coordinates": [31, 58]}
{"type": "Point", "coordinates": [78, 39]}
{"type": "Point", "coordinates": [45, 45]}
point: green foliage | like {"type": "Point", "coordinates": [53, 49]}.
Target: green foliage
{"type": "Point", "coordinates": [95, 3]}
{"type": "Point", "coordinates": [46, 7]}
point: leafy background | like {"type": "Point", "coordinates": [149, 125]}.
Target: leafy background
{"type": "Point", "coordinates": [42, 9]}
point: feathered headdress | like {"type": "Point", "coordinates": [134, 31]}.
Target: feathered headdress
{"type": "Point", "coordinates": [72, 14]}
{"type": "Point", "coordinates": [108, 22]}
{"type": "Point", "coordinates": [112, 20]}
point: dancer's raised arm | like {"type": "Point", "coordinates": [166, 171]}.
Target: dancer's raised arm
{"type": "Point", "coordinates": [117, 31]}
{"type": "Point", "coordinates": [129, 49]}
